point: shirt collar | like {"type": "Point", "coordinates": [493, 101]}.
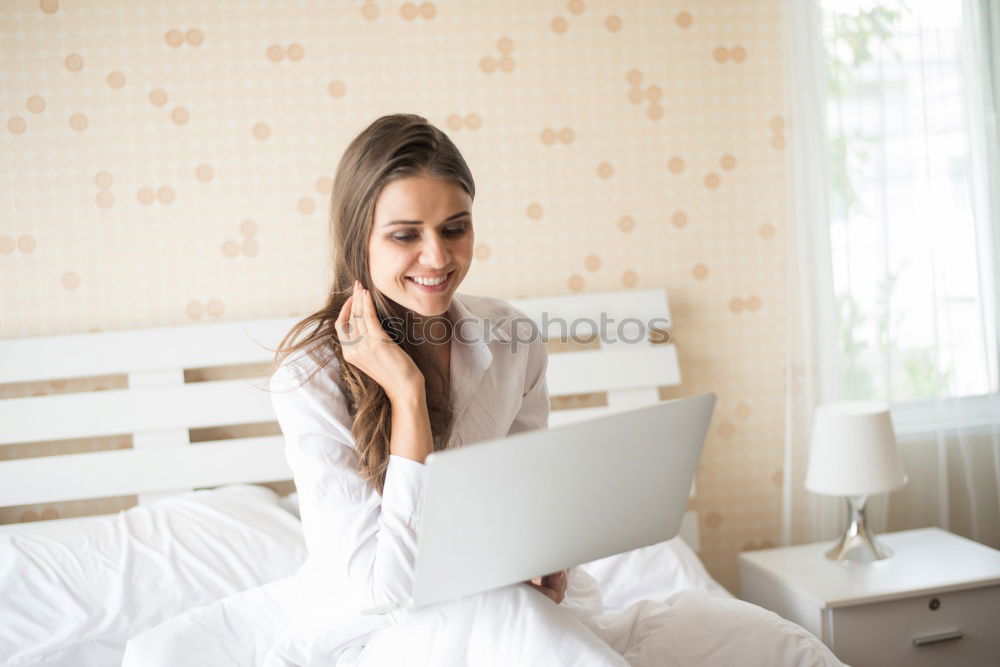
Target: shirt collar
{"type": "Point", "coordinates": [470, 354]}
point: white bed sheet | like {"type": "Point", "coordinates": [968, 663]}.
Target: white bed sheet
{"type": "Point", "coordinates": [514, 625]}
{"type": "Point", "coordinates": [74, 593]}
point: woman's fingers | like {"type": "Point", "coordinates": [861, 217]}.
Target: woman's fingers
{"type": "Point", "coordinates": [555, 577]}
{"type": "Point", "coordinates": [371, 317]}
{"type": "Point", "coordinates": [350, 321]}
{"type": "Point", "coordinates": [548, 578]}
{"type": "Point", "coordinates": [553, 585]}
{"type": "Point", "coordinates": [343, 320]}
{"type": "Point", "coordinates": [358, 312]}
{"type": "Point", "coordinates": [549, 593]}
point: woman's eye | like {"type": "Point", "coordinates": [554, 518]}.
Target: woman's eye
{"type": "Point", "coordinates": [451, 232]}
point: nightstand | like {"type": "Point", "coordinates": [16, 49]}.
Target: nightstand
{"type": "Point", "coordinates": [936, 601]}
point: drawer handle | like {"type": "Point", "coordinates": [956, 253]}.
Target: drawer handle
{"type": "Point", "coordinates": [926, 640]}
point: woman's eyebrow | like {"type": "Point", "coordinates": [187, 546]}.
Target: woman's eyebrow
{"type": "Point", "coordinates": [420, 222]}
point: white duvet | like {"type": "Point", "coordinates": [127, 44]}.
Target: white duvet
{"type": "Point", "coordinates": [207, 579]}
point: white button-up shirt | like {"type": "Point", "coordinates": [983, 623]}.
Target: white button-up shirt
{"type": "Point", "coordinates": [362, 546]}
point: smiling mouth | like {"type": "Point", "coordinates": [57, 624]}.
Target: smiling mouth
{"type": "Point", "coordinates": [433, 288]}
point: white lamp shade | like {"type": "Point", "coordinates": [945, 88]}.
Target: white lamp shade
{"type": "Point", "coordinates": [853, 450]}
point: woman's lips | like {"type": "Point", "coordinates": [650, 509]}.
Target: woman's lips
{"type": "Point", "coordinates": [431, 289]}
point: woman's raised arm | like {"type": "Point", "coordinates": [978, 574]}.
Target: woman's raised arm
{"type": "Point", "coordinates": [349, 529]}
{"type": "Point", "coordinates": [367, 346]}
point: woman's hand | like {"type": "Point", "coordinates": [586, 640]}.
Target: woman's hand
{"type": "Point", "coordinates": [553, 585]}
{"type": "Point", "coordinates": [366, 345]}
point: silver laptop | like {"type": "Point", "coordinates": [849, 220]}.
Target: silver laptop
{"type": "Point", "coordinates": [500, 512]}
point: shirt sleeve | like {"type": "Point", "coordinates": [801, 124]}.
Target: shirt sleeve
{"type": "Point", "coordinates": [349, 529]}
{"type": "Point", "coordinates": [534, 411]}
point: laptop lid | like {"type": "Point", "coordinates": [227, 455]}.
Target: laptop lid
{"type": "Point", "coordinates": [503, 511]}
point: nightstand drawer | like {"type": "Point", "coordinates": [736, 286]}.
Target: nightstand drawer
{"type": "Point", "coordinates": [956, 628]}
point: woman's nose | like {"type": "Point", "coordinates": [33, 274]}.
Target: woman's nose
{"type": "Point", "coordinates": [434, 253]}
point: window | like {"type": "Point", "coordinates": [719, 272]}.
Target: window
{"type": "Point", "coordinates": [912, 231]}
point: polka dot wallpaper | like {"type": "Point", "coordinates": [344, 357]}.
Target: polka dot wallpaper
{"type": "Point", "coordinates": [170, 162]}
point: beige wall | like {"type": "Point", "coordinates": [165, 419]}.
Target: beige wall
{"type": "Point", "coordinates": [169, 162]}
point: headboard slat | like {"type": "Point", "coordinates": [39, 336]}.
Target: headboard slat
{"type": "Point", "coordinates": [140, 350]}
{"type": "Point", "coordinates": [123, 472]}
{"type": "Point", "coordinates": [160, 438]}
{"type": "Point", "coordinates": [644, 305]}
{"type": "Point", "coordinates": [606, 370]}
{"type": "Point", "coordinates": [92, 414]}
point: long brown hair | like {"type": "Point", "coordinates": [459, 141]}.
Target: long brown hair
{"type": "Point", "coordinates": [391, 148]}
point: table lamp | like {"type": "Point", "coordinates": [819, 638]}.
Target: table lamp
{"type": "Point", "coordinates": [853, 453]}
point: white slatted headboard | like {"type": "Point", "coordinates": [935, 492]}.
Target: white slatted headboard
{"type": "Point", "coordinates": [158, 407]}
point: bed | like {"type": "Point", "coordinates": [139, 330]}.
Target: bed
{"type": "Point", "coordinates": [215, 524]}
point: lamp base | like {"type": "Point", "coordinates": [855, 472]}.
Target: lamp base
{"type": "Point", "coordinates": [858, 543]}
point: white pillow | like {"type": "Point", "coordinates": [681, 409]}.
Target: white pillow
{"type": "Point", "coordinates": [73, 593]}
{"type": "Point", "coordinates": [651, 573]}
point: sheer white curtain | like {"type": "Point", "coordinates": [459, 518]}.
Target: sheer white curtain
{"type": "Point", "coordinates": [895, 204]}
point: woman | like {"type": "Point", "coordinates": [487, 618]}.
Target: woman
{"type": "Point", "coordinates": [394, 366]}
{"type": "Point", "coordinates": [379, 379]}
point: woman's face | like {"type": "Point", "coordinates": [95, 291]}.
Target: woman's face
{"type": "Point", "coordinates": [422, 229]}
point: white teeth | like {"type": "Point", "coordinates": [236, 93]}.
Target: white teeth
{"type": "Point", "coordinates": [430, 282]}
